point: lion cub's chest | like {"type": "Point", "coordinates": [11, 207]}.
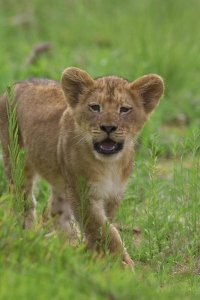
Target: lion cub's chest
{"type": "Point", "coordinates": [110, 184]}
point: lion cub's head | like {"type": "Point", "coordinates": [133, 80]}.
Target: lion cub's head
{"type": "Point", "coordinates": [110, 111]}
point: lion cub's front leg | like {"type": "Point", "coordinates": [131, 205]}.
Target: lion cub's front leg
{"type": "Point", "coordinates": [63, 218]}
{"type": "Point", "coordinates": [102, 235]}
{"type": "Point", "coordinates": [111, 207]}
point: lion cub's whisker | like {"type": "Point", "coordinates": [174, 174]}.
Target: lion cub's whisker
{"type": "Point", "coordinates": [83, 139]}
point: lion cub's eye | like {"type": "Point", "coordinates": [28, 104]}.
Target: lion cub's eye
{"type": "Point", "coordinates": [125, 109]}
{"type": "Point", "coordinates": [94, 107]}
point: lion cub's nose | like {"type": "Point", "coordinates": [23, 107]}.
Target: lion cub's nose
{"type": "Point", "coordinates": [108, 128]}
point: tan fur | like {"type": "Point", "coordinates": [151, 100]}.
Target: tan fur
{"type": "Point", "coordinates": [57, 128]}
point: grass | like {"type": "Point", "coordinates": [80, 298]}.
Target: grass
{"type": "Point", "coordinates": [160, 217]}
{"type": "Point", "coordinates": [17, 158]}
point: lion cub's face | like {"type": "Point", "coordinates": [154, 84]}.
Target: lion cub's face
{"type": "Point", "coordinates": [110, 111]}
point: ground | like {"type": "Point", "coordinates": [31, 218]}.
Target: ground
{"type": "Point", "coordinates": [160, 216]}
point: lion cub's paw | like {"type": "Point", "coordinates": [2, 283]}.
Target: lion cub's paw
{"type": "Point", "coordinates": [128, 262]}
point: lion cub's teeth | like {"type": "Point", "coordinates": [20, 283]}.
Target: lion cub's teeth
{"type": "Point", "coordinates": [107, 148]}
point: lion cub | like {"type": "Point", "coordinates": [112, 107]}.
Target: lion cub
{"type": "Point", "coordinates": [81, 128]}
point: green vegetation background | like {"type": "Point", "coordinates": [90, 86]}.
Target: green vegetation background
{"type": "Point", "coordinates": [160, 217]}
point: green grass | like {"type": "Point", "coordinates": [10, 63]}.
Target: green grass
{"type": "Point", "coordinates": [160, 217]}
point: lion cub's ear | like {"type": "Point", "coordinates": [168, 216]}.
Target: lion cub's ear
{"type": "Point", "coordinates": [150, 88]}
{"type": "Point", "coordinates": [75, 82]}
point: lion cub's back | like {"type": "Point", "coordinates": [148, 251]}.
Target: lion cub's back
{"type": "Point", "coordinates": [40, 105]}
{"type": "Point", "coordinates": [39, 97]}
{"type": "Point", "coordinates": [35, 96]}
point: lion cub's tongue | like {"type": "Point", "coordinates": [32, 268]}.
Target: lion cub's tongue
{"type": "Point", "coordinates": [107, 145]}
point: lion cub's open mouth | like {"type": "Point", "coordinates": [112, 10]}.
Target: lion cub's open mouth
{"type": "Point", "coordinates": [108, 146]}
